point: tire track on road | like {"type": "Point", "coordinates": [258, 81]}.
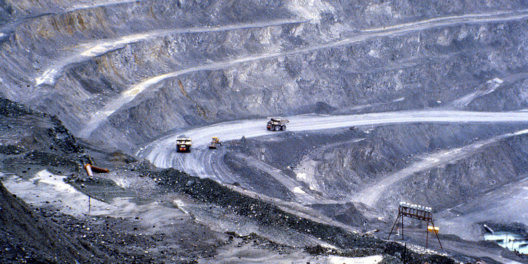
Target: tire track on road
{"type": "Point", "coordinates": [162, 153]}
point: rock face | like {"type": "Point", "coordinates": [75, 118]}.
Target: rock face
{"type": "Point", "coordinates": [27, 236]}
{"type": "Point", "coordinates": [124, 73]}
{"type": "Point", "coordinates": [31, 138]}
{"type": "Point", "coordinates": [119, 74]}
{"type": "Point", "coordinates": [441, 166]}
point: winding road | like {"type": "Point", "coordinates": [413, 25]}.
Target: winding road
{"type": "Point", "coordinates": [371, 195]}
{"type": "Point", "coordinates": [206, 163]}
{"type": "Point", "coordinates": [97, 48]}
{"type": "Point", "coordinates": [361, 36]}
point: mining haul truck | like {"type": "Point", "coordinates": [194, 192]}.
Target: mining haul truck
{"type": "Point", "coordinates": [183, 144]}
{"type": "Point", "coordinates": [276, 124]}
{"type": "Point", "coordinates": [215, 142]}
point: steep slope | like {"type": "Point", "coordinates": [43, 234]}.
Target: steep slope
{"type": "Point", "coordinates": [30, 140]}
{"type": "Point", "coordinates": [153, 232]}
{"type": "Point", "coordinates": [124, 72]}
{"type": "Point", "coordinates": [26, 236]}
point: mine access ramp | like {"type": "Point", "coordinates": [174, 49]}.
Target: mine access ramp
{"type": "Point", "coordinates": [183, 144]}
{"type": "Point", "coordinates": [277, 123]}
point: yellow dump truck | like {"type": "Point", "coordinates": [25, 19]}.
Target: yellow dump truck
{"type": "Point", "coordinates": [276, 124]}
{"type": "Point", "coordinates": [215, 142]}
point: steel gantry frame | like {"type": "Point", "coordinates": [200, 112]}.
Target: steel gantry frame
{"type": "Point", "coordinates": [419, 212]}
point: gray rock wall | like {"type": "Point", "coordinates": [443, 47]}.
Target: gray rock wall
{"type": "Point", "coordinates": [254, 68]}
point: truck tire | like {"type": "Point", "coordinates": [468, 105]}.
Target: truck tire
{"type": "Point", "coordinates": [283, 128]}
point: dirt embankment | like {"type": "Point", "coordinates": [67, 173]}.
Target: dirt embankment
{"type": "Point", "coordinates": [27, 236]}
{"type": "Point", "coordinates": [352, 245]}
{"type": "Point", "coordinates": [32, 141]}
{"type": "Point", "coordinates": [29, 138]}
{"type": "Point", "coordinates": [31, 235]}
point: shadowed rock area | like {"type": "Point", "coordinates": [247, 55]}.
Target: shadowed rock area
{"type": "Point", "coordinates": [27, 236]}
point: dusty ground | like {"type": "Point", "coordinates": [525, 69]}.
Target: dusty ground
{"type": "Point", "coordinates": [139, 214]}
{"type": "Point", "coordinates": [327, 164]}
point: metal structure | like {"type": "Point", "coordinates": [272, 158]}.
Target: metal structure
{"type": "Point", "coordinates": [419, 212]}
{"type": "Point", "coordinates": [90, 169]}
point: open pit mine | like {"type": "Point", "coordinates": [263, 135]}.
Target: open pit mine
{"type": "Point", "coordinates": [278, 131]}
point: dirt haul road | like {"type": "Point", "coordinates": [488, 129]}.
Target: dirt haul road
{"type": "Point", "coordinates": [371, 195]}
{"type": "Point", "coordinates": [206, 163]}
{"type": "Point", "coordinates": [162, 152]}
{"type": "Point", "coordinates": [130, 94]}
